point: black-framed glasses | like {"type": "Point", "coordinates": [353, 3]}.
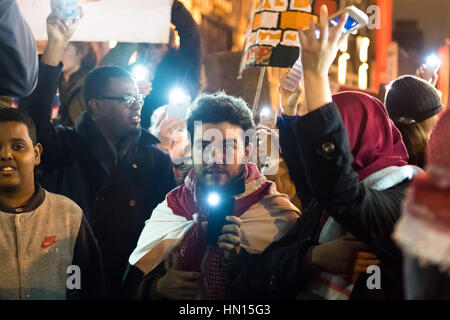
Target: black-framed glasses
{"type": "Point", "coordinates": [128, 100]}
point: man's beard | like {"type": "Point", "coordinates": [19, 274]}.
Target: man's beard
{"type": "Point", "coordinates": [133, 133]}
{"type": "Point", "coordinates": [232, 187]}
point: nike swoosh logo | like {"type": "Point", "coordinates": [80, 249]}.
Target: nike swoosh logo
{"type": "Point", "coordinates": [45, 245]}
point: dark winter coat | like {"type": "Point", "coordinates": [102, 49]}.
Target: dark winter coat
{"type": "Point", "coordinates": [368, 214]}
{"type": "Point", "coordinates": [116, 195]}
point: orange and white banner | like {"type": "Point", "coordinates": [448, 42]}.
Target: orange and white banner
{"type": "Point", "coordinates": [272, 37]}
{"type": "Point", "coordinates": [104, 20]}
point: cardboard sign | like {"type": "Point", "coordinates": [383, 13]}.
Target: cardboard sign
{"type": "Point", "coordinates": [272, 36]}
{"type": "Point", "coordinates": [104, 20]}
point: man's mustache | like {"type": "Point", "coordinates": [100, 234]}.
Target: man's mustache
{"type": "Point", "coordinates": [215, 170]}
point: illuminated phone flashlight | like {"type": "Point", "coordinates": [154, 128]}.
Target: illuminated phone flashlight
{"type": "Point", "coordinates": [213, 199]}
{"type": "Point", "coordinates": [433, 61]}
{"type": "Point", "coordinates": [265, 112]}
{"type": "Point", "coordinates": [178, 96]}
{"type": "Point", "coordinates": [140, 73]}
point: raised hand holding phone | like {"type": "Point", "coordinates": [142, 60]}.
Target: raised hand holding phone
{"type": "Point", "coordinates": [289, 101]}
{"type": "Point", "coordinates": [292, 80]}
{"type": "Point", "coordinates": [59, 32]}
{"type": "Point", "coordinates": [356, 20]}
{"type": "Point", "coordinates": [317, 56]}
{"type": "Point", "coordinates": [429, 70]}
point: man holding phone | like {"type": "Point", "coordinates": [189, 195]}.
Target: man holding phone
{"type": "Point", "coordinates": [175, 257]}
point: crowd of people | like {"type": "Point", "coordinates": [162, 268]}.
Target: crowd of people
{"type": "Point", "coordinates": [340, 197]}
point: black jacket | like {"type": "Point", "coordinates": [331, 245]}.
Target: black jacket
{"type": "Point", "coordinates": [18, 55]}
{"type": "Point", "coordinates": [179, 68]}
{"type": "Point", "coordinates": [116, 195]}
{"type": "Point", "coordinates": [328, 183]}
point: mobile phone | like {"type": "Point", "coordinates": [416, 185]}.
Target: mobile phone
{"type": "Point", "coordinates": [217, 202]}
{"type": "Point", "coordinates": [179, 103]}
{"type": "Point", "coordinates": [68, 8]}
{"type": "Point", "coordinates": [294, 76]}
{"type": "Point", "coordinates": [216, 213]}
{"type": "Point", "coordinates": [357, 19]}
{"type": "Point", "coordinates": [268, 117]}
{"type": "Point", "coordinates": [140, 73]}
{"type": "Point", "coordinates": [433, 62]}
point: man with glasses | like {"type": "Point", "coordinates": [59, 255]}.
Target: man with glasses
{"type": "Point", "coordinates": [107, 164]}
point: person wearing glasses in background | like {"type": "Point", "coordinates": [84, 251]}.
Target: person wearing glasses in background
{"type": "Point", "coordinates": [107, 164]}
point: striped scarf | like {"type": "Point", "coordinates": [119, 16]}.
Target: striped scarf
{"type": "Point", "coordinates": [330, 286]}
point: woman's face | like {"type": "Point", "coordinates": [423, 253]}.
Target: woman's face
{"type": "Point", "coordinates": [71, 59]}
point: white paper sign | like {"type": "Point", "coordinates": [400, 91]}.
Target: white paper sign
{"type": "Point", "coordinates": [104, 20]}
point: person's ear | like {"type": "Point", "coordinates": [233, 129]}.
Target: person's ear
{"type": "Point", "coordinates": [96, 108]}
{"type": "Point", "coordinates": [37, 154]}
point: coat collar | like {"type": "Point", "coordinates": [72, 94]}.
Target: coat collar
{"type": "Point", "coordinates": [146, 138]}
{"type": "Point", "coordinates": [102, 149]}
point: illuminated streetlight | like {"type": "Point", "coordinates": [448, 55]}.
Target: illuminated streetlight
{"type": "Point", "coordinates": [342, 67]}
{"type": "Point", "coordinates": [362, 76]}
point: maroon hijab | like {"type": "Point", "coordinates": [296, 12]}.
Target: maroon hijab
{"type": "Point", "coordinates": [374, 140]}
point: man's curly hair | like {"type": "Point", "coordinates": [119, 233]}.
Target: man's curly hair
{"type": "Point", "coordinates": [219, 107]}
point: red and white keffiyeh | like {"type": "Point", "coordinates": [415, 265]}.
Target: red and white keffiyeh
{"type": "Point", "coordinates": [175, 228]}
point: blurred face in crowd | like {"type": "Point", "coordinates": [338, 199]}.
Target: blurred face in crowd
{"type": "Point", "coordinates": [114, 112]}
{"type": "Point", "coordinates": [152, 54]}
{"type": "Point", "coordinates": [18, 157]}
{"type": "Point", "coordinates": [71, 59]}
{"type": "Point", "coordinates": [219, 152]}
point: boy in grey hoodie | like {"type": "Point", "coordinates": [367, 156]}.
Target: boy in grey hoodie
{"type": "Point", "coordinates": [47, 248]}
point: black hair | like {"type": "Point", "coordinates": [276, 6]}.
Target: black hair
{"type": "Point", "coordinates": [220, 107]}
{"type": "Point", "coordinates": [97, 81]}
{"type": "Point", "coordinates": [15, 115]}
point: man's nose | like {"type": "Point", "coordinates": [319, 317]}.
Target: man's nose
{"type": "Point", "coordinates": [214, 155]}
{"type": "Point", "coordinates": [136, 106]}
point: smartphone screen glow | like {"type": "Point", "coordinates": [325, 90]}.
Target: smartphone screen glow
{"type": "Point", "coordinates": [351, 23]}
